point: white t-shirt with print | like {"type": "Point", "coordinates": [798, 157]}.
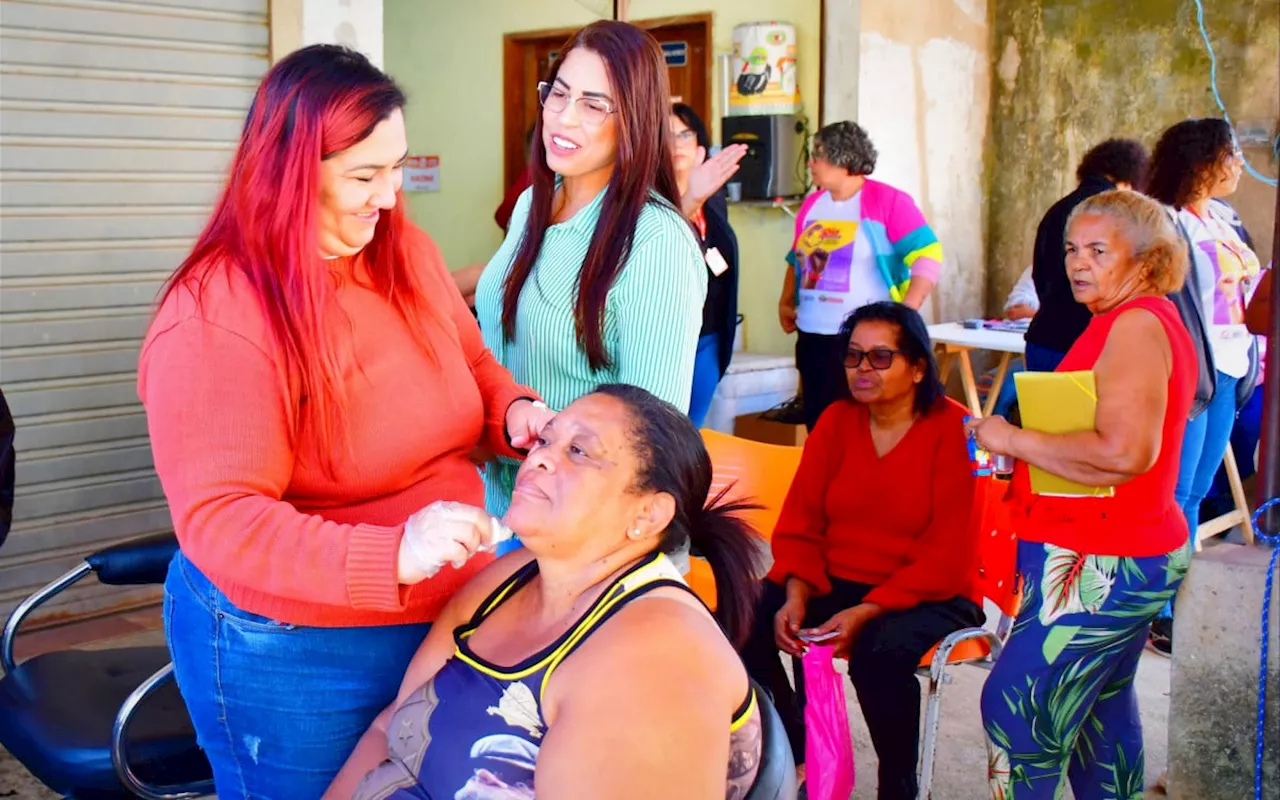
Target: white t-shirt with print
{"type": "Point", "coordinates": [836, 268]}
{"type": "Point", "coordinates": [1225, 272]}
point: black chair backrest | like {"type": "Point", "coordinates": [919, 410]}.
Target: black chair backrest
{"type": "Point", "coordinates": [137, 562]}
{"type": "Point", "coordinates": [776, 779]}
{"type": "Point", "coordinates": [7, 461]}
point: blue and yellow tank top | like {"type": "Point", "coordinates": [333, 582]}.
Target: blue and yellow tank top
{"type": "Point", "coordinates": [473, 731]}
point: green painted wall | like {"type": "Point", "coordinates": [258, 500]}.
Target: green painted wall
{"type": "Point", "coordinates": [448, 58]}
{"type": "Point", "coordinates": [1070, 73]}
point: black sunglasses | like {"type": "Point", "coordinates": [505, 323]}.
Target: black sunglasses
{"type": "Point", "coordinates": [881, 358]}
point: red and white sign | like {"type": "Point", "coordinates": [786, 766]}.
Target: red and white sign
{"type": "Point", "coordinates": [422, 174]}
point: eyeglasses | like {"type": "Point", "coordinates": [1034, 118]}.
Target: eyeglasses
{"type": "Point", "coordinates": [880, 359]}
{"type": "Point", "coordinates": [591, 110]}
{"type": "Point", "coordinates": [685, 136]}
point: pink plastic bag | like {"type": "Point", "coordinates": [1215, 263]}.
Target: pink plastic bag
{"type": "Point", "coordinates": [828, 750]}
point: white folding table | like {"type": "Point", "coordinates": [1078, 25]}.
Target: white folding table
{"type": "Point", "coordinates": [955, 342]}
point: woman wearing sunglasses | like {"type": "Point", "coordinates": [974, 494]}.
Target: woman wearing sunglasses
{"type": "Point", "coordinates": [873, 548]}
{"type": "Point", "coordinates": [601, 278]}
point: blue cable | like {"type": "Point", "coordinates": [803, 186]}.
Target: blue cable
{"type": "Point", "coordinates": [1213, 83]}
{"type": "Point", "coordinates": [1274, 541]}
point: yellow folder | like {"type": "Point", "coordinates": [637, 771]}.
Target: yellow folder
{"type": "Point", "coordinates": [1058, 402]}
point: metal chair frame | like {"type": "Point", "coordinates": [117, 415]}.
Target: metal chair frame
{"type": "Point", "coordinates": [119, 731]}
{"type": "Point", "coordinates": [938, 677]}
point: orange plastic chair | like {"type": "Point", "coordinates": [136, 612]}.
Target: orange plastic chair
{"type": "Point", "coordinates": [998, 582]}
{"type": "Point", "coordinates": [753, 471]}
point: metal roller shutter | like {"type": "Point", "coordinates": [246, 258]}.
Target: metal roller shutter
{"type": "Point", "coordinates": [117, 120]}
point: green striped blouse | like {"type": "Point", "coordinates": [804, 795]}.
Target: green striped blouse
{"type": "Point", "coordinates": [652, 315]}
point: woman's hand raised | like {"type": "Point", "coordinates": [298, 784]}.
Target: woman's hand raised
{"type": "Point", "coordinates": [709, 174]}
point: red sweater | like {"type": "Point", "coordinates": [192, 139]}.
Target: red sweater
{"type": "Point", "coordinates": [252, 507]}
{"type": "Point", "coordinates": [523, 181]}
{"type": "Point", "coordinates": [898, 522]}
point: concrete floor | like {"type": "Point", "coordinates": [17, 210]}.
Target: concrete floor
{"type": "Point", "coordinates": [960, 770]}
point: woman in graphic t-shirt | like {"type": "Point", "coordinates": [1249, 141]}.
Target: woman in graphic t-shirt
{"type": "Point", "coordinates": [1195, 163]}
{"type": "Point", "coordinates": [858, 241]}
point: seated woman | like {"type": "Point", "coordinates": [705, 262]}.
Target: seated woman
{"type": "Point", "coordinates": [583, 661]}
{"type": "Point", "coordinates": [873, 541]}
{"type": "Point", "coordinates": [1097, 570]}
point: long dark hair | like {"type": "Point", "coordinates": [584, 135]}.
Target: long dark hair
{"type": "Point", "coordinates": [693, 122]}
{"type": "Point", "coordinates": [638, 74]}
{"type": "Point", "coordinates": [913, 341]}
{"type": "Point", "coordinates": [672, 459]}
{"type": "Point", "coordinates": [1184, 161]}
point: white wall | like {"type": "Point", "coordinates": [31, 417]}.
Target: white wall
{"type": "Point", "coordinates": [924, 96]}
{"type": "Point", "coordinates": [354, 23]}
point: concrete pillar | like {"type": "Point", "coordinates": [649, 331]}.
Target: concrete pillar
{"type": "Point", "coordinates": [841, 32]}
{"type": "Point", "coordinates": [1214, 689]}
{"type": "Point", "coordinates": [354, 23]}
{"type": "Point", "coordinates": [917, 76]}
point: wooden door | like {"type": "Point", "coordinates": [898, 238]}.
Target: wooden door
{"type": "Point", "coordinates": [688, 65]}
{"type": "Point", "coordinates": [527, 58]}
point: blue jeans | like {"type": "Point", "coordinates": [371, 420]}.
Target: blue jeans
{"type": "Point", "coordinates": [706, 377]}
{"type": "Point", "coordinates": [1203, 445]}
{"type": "Point", "coordinates": [277, 708]}
{"type": "Point", "coordinates": [1008, 390]}
{"type": "Point", "coordinates": [1041, 359]}
{"type": "Point", "coordinates": [1244, 441]}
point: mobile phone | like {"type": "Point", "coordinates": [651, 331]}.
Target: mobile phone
{"type": "Point", "coordinates": [815, 638]}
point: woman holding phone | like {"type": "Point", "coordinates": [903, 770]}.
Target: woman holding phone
{"type": "Point", "coordinates": [879, 565]}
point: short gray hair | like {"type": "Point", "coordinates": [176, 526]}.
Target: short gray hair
{"type": "Point", "coordinates": [1158, 249]}
{"type": "Point", "coordinates": [846, 144]}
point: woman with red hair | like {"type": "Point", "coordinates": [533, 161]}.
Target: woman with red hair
{"type": "Point", "coordinates": [311, 380]}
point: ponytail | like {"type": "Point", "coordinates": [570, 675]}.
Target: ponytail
{"type": "Point", "coordinates": [735, 552]}
{"type": "Point", "coordinates": [673, 459]}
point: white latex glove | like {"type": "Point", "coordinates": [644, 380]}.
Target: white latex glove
{"type": "Point", "coordinates": [446, 533]}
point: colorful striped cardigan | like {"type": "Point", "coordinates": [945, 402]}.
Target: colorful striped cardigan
{"type": "Point", "coordinates": [904, 244]}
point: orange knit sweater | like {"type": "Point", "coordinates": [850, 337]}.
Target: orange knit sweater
{"type": "Point", "coordinates": [254, 509]}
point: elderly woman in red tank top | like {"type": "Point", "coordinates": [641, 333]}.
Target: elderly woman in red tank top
{"type": "Point", "coordinates": [1097, 570]}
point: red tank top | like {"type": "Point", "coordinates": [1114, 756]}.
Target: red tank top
{"type": "Point", "coordinates": [1141, 519]}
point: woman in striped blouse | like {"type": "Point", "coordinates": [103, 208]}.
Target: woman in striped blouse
{"type": "Point", "coordinates": [600, 278]}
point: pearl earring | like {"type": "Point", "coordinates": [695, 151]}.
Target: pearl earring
{"type": "Point", "coordinates": [634, 533]}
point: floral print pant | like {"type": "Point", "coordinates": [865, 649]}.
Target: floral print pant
{"type": "Point", "coordinates": [1060, 702]}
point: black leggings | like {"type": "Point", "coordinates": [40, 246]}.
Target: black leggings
{"type": "Point", "coordinates": [882, 667]}
{"type": "Point", "coordinates": [820, 361]}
